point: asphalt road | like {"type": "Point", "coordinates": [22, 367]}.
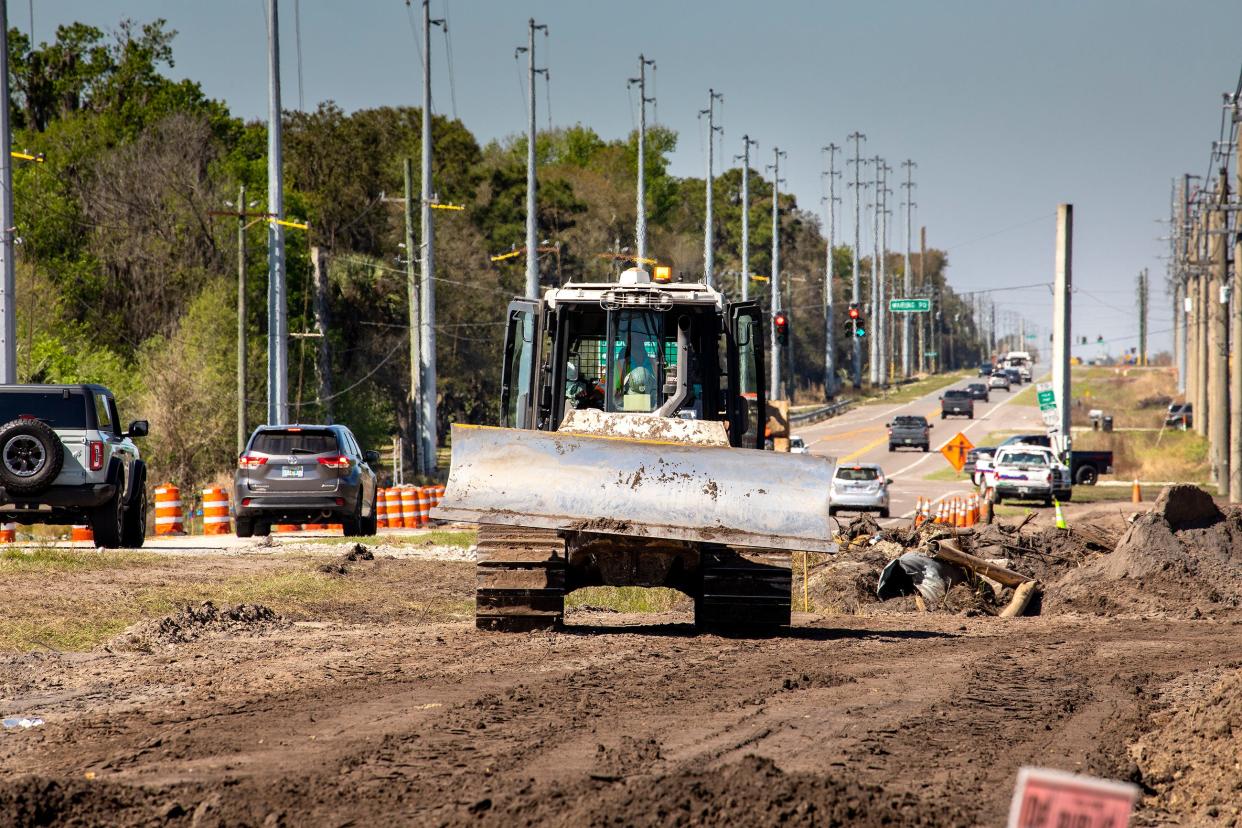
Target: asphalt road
{"type": "Point", "coordinates": [860, 436]}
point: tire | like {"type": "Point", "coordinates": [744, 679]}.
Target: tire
{"type": "Point", "coordinates": [369, 526]}
{"type": "Point", "coordinates": [891, 447]}
{"type": "Point", "coordinates": [1047, 503]}
{"type": "Point", "coordinates": [884, 513]}
{"type": "Point", "coordinates": [926, 447]}
{"type": "Point", "coordinates": [942, 415]}
{"type": "Point", "coordinates": [107, 521]}
{"type": "Point", "coordinates": [832, 511]}
{"type": "Point", "coordinates": [31, 456]}
{"type": "Point", "coordinates": [996, 499]}
{"type": "Point", "coordinates": [134, 524]}
{"type": "Point", "coordinates": [262, 528]}
{"type": "Point", "coordinates": [245, 527]}
{"type": "Point", "coordinates": [1086, 476]}
{"type": "Point", "coordinates": [970, 416]}
{"type": "Point", "coordinates": [352, 524]}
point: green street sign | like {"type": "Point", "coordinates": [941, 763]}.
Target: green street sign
{"type": "Point", "coordinates": [930, 353]}
{"type": "Point", "coordinates": [909, 305]}
{"type": "Point", "coordinates": [1047, 400]}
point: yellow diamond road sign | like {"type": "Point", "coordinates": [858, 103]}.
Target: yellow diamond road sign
{"type": "Point", "coordinates": [955, 450]}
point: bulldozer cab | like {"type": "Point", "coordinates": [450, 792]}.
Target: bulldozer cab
{"type": "Point", "coordinates": [668, 350]}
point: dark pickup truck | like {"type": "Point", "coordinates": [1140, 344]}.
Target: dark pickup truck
{"type": "Point", "coordinates": [909, 430]}
{"type": "Point", "coordinates": [957, 402]}
{"type": "Point", "coordinates": [1085, 466]}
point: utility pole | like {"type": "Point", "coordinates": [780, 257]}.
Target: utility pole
{"type": "Point", "coordinates": [1218, 345]}
{"type": "Point", "coordinates": [932, 327]}
{"type": "Point", "coordinates": [532, 238]}
{"type": "Point", "coordinates": [747, 143]}
{"type": "Point", "coordinates": [640, 223]}
{"type": "Point", "coordinates": [415, 437]}
{"type": "Point", "coordinates": [8, 282]}
{"type": "Point", "coordinates": [242, 316]}
{"type": "Point", "coordinates": [775, 283]}
{"type": "Point", "coordinates": [1202, 407]}
{"type": "Point", "coordinates": [830, 350]}
{"type": "Point", "coordinates": [1061, 294]}
{"type": "Point", "coordinates": [1142, 303]}
{"type": "Point", "coordinates": [882, 314]}
{"type": "Point", "coordinates": [877, 328]}
{"type": "Point", "coordinates": [319, 273]}
{"type": "Point", "coordinates": [427, 307]}
{"type": "Point", "coordinates": [855, 286]}
{"type": "Point", "coordinates": [277, 311]}
{"type": "Point", "coordinates": [709, 238]}
{"type": "Point", "coordinates": [1235, 324]}
{"type": "Point", "coordinates": [1175, 273]}
{"type": "Point", "coordinates": [907, 365]}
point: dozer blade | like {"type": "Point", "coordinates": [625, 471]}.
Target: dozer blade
{"type": "Point", "coordinates": [639, 488]}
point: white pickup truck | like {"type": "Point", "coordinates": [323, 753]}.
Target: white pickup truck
{"type": "Point", "coordinates": [1022, 472]}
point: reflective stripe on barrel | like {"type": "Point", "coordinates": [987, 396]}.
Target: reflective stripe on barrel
{"type": "Point", "coordinates": [392, 497]}
{"type": "Point", "coordinates": [82, 534]}
{"type": "Point", "coordinates": [424, 505]}
{"type": "Point", "coordinates": [8, 532]}
{"type": "Point", "coordinates": [409, 507]}
{"type": "Point", "coordinates": [216, 511]}
{"type": "Point", "coordinates": [169, 516]}
{"type": "Point", "coordinates": [286, 527]}
{"type": "Point", "coordinates": [381, 508]}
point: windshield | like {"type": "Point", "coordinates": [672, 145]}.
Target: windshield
{"type": "Point", "coordinates": [57, 408]}
{"type": "Point", "coordinates": [1024, 458]}
{"type": "Point", "coordinates": [955, 394]}
{"type": "Point", "coordinates": [909, 421]}
{"type": "Point", "coordinates": [858, 473]}
{"type": "Point", "coordinates": [295, 442]}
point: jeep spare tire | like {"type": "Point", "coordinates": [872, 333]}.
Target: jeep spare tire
{"type": "Point", "coordinates": [31, 456]}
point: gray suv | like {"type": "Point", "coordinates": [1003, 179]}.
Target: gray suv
{"type": "Point", "coordinates": [64, 459]}
{"type": "Point", "coordinates": [304, 474]}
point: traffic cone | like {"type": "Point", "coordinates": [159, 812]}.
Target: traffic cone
{"type": "Point", "coordinates": [1136, 492]}
{"type": "Point", "coordinates": [959, 516]}
{"type": "Point", "coordinates": [918, 513]}
{"type": "Point", "coordinates": [1061, 524]}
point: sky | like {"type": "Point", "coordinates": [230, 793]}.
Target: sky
{"type": "Point", "coordinates": [1007, 107]}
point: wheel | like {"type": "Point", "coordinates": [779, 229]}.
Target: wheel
{"type": "Point", "coordinates": [262, 528]}
{"type": "Point", "coordinates": [1086, 476]}
{"type": "Point", "coordinates": [884, 512]}
{"type": "Point", "coordinates": [926, 447]}
{"type": "Point", "coordinates": [32, 456]}
{"type": "Point", "coordinates": [942, 415]}
{"type": "Point", "coordinates": [352, 524]}
{"type": "Point", "coordinates": [1047, 503]}
{"type": "Point", "coordinates": [832, 511]}
{"type": "Point", "coordinates": [996, 498]}
{"type": "Point", "coordinates": [891, 447]}
{"type": "Point", "coordinates": [369, 526]}
{"type": "Point", "coordinates": [134, 524]}
{"type": "Point", "coordinates": [107, 520]}
{"type": "Point", "coordinates": [970, 416]}
{"type": "Point", "coordinates": [245, 527]}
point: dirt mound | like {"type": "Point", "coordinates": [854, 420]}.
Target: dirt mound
{"type": "Point", "coordinates": [1157, 569]}
{"type": "Point", "coordinates": [756, 792]}
{"type": "Point", "coordinates": [37, 800]}
{"type": "Point", "coordinates": [204, 621]}
{"type": "Point", "coordinates": [1192, 760]}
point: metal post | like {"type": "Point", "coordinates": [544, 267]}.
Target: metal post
{"type": "Point", "coordinates": [1061, 330]}
{"type": "Point", "coordinates": [830, 349]}
{"type": "Point", "coordinates": [935, 305]}
{"type": "Point", "coordinates": [1218, 344]}
{"type": "Point", "coordinates": [1235, 334]}
{"type": "Point", "coordinates": [414, 312]}
{"type": "Point", "coordinates": [775, 283]}
{"type": "Point", "coordinates": [8, 284]}
{"type": "Point", "coordinates": [747, 143]}
{"type": "Point", "coordinates": [532, 216]}
{"type": "Point", "coordinates": [640, 223]}
{"type": "Point", "coordinates": [882, 300]}
{"type": "Point", "coordinates": [319, 272]}
{"type": "Point", "coordinates": [1141, 359]}
{"type": "Point", "coordinates": [427, 307]}
{"type": "Point", "coordinates": [1202, 410]}
{"type": "Point", "coordinates": [277, 312]}
{"type": "Point", "coordinates": [242, 318]}
{"type": "Point", "coordinates": [907, 365]}
{"type": "Point", "coordinates": [855, 285]}
{"type": "Point", "coordinates": [873, 372]}
{"type": "Point", "coordinates": [709, 238]}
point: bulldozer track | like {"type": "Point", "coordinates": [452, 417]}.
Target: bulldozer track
{"type": "Point", "coordinates": [744, 588]}
{"type": "Point", "coordinates": [520, 578]}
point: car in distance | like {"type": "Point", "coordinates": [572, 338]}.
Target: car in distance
{"type": "Point", "coordinates": [985, 369]}
{"type": "Point", "coordinates": [999, 380]}
{"type": "Point", "coordinates": [1026, 472]}
{"type": "Point", "coordinates": [1015, 376]}
{"type": "Point", "coordinates": [1085, 467]}
{"type": "Point", "coordinates": [975, 458]}
{"type": "Point", "coordinates": [859, 488]}
{"type": "Point", "coordinates": [1180, 415]}
{"type": "Point", "coordinates": [304, 474]}
{"type": "Point", "coordinates": [797, 445]}
{"type": "Point", "coordinates": [978, 391]}
{"type": "Point", "coordinates": [909, 430]}
{"type": "Point", "coordinates": [957, 402]}
{"type": "Point", "coordinates": [64, 459]}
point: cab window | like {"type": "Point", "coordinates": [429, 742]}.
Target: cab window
{"type": "Point", "coordinates": [104, 414]}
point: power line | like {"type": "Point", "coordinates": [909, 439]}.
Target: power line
{"type": "Point", "coordinates": [448, 53]}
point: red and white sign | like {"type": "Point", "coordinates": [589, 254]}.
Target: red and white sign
{"type": "Point", "coordinates": [1055, 799]}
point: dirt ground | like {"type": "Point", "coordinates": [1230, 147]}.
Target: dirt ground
{"type": "Point", "coordinates": [340, 711]}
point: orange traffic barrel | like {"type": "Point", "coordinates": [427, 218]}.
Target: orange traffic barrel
{"type": "Point", "coordinates": [8, 532]}
{"type": "Point", "coordinates": [424, 505]}
{"type": "Point", "coordinates": [392, 497]}
{"type": "Point", "coordinates": [409, 507]}
{"type": "Point", "coordinates": [169, 516]}
{"type": "Point", "coordinates": [216, 511]}
{"type": "Point", "coordinates": [336, 527]}
{"type": "Point", "coordinates": [381, 508]}
{"type": "Point", "coordinates": [314, 527]}
{"type": "Point", "coordinates": [81, 534]}
{"type": "Point", "coordinates": [286, 527]}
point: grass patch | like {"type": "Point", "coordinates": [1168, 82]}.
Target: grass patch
{"type": "Point", "coordinates": [463, 539]}
{"type": "Point", "coordinates": [914, 390]}
{"type": "Point", "coordinates": [948, 474]}
{"type": "Point", "coordinates": [54, 559]}
{"type": "Point", "coordinates": [626, 599]}
{"type": "Point", "coordinates": [1132, 396]}
{"type": "Point", "coordinates": [1027, 396]}
{"type": "Point", "coordinates": [1179, 455]}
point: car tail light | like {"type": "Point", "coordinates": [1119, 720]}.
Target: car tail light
{"type": "Point", "coordinates": [250, 461]}
{"type": "Point", "coordinates": [340, 462]}
{"type": "Point", "coordinates": [245, 501]}
{"type": "Point", "coordinates": [340, 501]}
{"type": "Point", "coordinates": [96, 455]}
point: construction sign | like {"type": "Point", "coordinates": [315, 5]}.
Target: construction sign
{"type": "Point", "coordinates": [955, 450]}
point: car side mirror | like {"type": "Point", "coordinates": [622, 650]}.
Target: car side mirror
{"type": "Point", "coordinates": [931, 425]}
{"type": "Point", "coordinates": [888, 482]}
{"type": "Point", "coordinates": [371, 456]}
{"type": "Point", "coordinates": [138, 428]}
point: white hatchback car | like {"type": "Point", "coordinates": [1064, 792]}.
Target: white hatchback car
{"type": "Point", "coordinates": [797, 445]}
{"type": "Point", "coordinates": [859, 488]}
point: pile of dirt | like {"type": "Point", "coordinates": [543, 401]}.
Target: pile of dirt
{"type": "Point", "coordinates": [357, 552]}
{"type": "Point", "coordinates": [1193, 760]}
{"type": "Point", "coordinates": [204, 621]}
{"type": "Point", "coordinates": [756, 792]}
{"type": "Point", "coordinates": [38, 800]}
{"type": "Point", "coordinates": [1182, 559]}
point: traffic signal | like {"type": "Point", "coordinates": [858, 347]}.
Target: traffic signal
{"type": "Point", "coordinates": [781, 323]}
{"type": "Point", "coordinates": [859, 328]}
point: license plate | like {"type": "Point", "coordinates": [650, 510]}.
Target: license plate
{"type": "Point", "coordinates": [1024, 490]}
{"type": "Point", "coordinates": [908, 440]}
{"type": "Point", "coordinates": [290, 471]}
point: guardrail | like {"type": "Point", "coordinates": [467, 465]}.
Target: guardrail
{"type": "Point", "coordinates": [821, 413]}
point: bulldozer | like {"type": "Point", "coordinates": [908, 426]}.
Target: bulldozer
{"type": "Point", "coordinates": [631, 452]}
